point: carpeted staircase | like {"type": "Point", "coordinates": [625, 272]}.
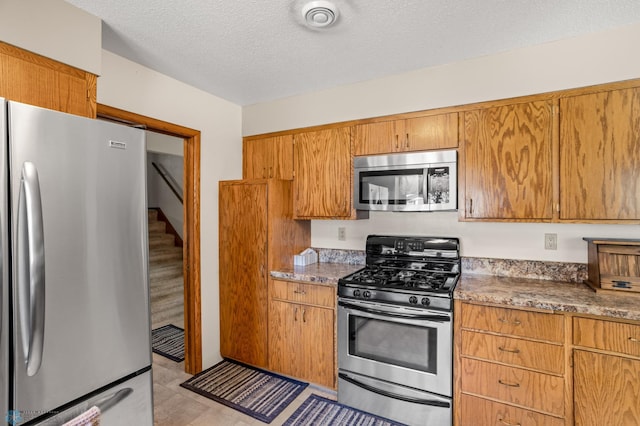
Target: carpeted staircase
{"type": "Point", "coordinates": [165, 275]}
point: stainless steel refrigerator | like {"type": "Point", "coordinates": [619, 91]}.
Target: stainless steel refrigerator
{"type": "Point", "coordinates": [75, 325]}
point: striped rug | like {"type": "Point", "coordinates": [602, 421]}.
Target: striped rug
{"type": "Point", "coordinates": [319, 411]}
{"type": "Point", "coordinates": [257, 393]}
{"type": "Point", "coordinates": [168, 341]}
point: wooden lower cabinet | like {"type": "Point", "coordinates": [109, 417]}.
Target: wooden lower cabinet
{"type": "Point", "coordinates": [524, 388]}
{"type": "Point", "coordinates": [302, 331]}
{"type": "Point", "coordinates": [509, 367]}
{"type": "Point", "coordinates": [479, 411]}
{"type": "Point", "coordinates": [606, 389]}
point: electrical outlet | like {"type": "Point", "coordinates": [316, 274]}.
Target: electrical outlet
{"type": "Point", "coordinates": [551, 241]}
{"type": "Point", "coordinates": [342, 233]}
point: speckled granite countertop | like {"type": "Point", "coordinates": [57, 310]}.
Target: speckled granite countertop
{"type": "Point", "coordinates": [321, 273]}
{"type": "Point", "coordinates": [545, 294]}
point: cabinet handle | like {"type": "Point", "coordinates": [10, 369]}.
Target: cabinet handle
{"type": "Point", "coordinates": [513, 385]}
{"type": "Point", "coordinates": [513, 351]}
{"type": "Point", "coordinates": [295, 314]}
{"type": "Point", "coordinates": [407, 140]}
{"type": "Point", "coordinates": [504, 422]}
{"type": "Point", "coordinates": [505, 321]}
{"type": "Point", "coordinates": [470, 206]}
{"type": "Point", "coordinates": [304, 319]}
{"type": "Point", "coordinates": [634, 340]}
{"type": "Point", "coordinates": [270, 172]}
{"type": "Point", "coordinates": [299, 292]}
{"type": "Point", "coordinates": [397, 141]}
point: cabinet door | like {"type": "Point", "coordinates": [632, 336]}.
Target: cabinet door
{"type": "Point", "coordinates": [507, 156]}
{"type": "Point", "coordinates": [284, 340]}
{"type": "Point", "coordinates": [268, 158]}
{"type": "Point", "coordinates": [317, 346]}
{"type": "Point", "coordinates": [243, 272]}
{"type": "Point", "coordinates": [600, 155]}
{"type": "Point", "coordinates": [432, 132]}
{"type": "Point", "coordinates": [375, 138]}
{"type": "Point", "coordinates": [606, 389]}
{"type": "Point", "coordinates": [36, 80]}
{"type": "Point", "coordinates": [323, 165]}
{"type": "Point", "coordinates": [255, 159]}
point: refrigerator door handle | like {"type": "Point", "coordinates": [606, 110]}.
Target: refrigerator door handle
{"type": "Point", "coordinates": [112, 400]}
{"type": "Point", "coordinates": [30, 271]}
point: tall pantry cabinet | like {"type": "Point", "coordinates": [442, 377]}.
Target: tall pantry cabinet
{"type": "Point", "coordinates": [257, 234]}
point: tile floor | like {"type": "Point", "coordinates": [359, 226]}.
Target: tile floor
{"type": "Point", "coordinates": [176, 406]}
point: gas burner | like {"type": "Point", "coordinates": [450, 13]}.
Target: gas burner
{"type": "Point", "coordinates": [397, 276]}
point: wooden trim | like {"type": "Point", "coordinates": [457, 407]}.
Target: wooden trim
{"type": "Point", "coordinates": [191, 250]}
{"type": "Point", "coordinates": [169, 229]}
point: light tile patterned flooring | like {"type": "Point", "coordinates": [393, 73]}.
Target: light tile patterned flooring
{"type": "Point", "coordinates": [176, 406]}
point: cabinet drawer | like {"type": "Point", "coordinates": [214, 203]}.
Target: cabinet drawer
{"type": "Point", "coordinates": [311, 294]}
{"type": "Point", "coordinates": [514, 322]}
{"type": "Point", "coordinates": [518, 352]}
{"type": "Point", "coordinates": [479, 411]}
{"type": "Point", "coordinates": [607, 335]}
{"type": "Point", "coordinates": [525, 388]}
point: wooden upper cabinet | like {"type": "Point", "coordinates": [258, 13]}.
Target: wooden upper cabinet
{"type": "Point", "coordinates": [413, 134]}
{"type": "Point", "coordinates": [600, 156]}
{"type": "Point", "coordinates": [508, 162]}
{"type": "Point", "coordinates": [268, 158]}
{"type": "Point", "coordinates": [36, 80]}
{"type": "Point", "coordinates": [323, 175]}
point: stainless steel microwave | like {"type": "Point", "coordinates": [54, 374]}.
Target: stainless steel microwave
{"type": "Point", "coordinates": [412, 181]}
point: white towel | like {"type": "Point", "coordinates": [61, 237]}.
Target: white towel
{"type": "Point", "coordinates": [91, 417]}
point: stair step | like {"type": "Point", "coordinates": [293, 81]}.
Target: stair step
{"type": "Point", "coordinates": [166, 272]}
{"type": "Point", "coordinates": [160, 240]}
{"type": "Point", "coordinates": [159, 259]}
{"type": "Point", "coordinates": [157, 226]}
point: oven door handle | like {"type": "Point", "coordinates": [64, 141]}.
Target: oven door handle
{"type": "Point", "coordinates": [434, 318]}
{"type": "Point", "coordinates": [432, 402]}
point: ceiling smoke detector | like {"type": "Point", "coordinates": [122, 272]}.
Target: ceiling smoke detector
{"type": "Point", "coordinates": [320, 14]}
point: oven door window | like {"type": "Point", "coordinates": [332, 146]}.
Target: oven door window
{"type": "Point", "coordinates": [395, 187]}
{"type": "Point", "coordinates": [394, 343]}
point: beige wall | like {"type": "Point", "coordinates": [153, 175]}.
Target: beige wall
{"type": "Point", "coordinates": [55, 29]}
{"type": "Point", "coordinates": [62, 32]}
{"type": "Point", "coordinates": [587, 60]}
{"type": "Point", "coordinates": [132, 87]}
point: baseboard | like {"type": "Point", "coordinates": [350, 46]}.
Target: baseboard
{"type": "Point", "coordinates": [177, 241]}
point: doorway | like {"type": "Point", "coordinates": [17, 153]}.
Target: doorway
{"type": "Point", "coordinates": [191, 230]}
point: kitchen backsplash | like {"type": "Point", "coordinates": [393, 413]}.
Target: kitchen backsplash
{"type": "Point", "coordinates": [559, 271]}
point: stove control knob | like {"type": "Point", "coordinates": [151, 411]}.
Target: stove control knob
{"type": "Point", "coordinates": [356, 293]}
{"type": "Point", "coordinates": [366, 294]}
{"type": "Point", "coordinates": [413, 300]}
{"type": "Point", "coordinates": [425, 301]}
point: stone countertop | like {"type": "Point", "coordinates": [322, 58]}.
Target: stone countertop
{"type": "Point", "coordinates": [320, 273]}
{"type": "Point", "coordinates": [544, 294]}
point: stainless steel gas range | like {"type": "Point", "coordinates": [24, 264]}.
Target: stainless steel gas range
{"type": "Point", "coordinates": [395, 329]}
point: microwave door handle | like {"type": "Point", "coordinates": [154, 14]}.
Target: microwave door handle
{"type": "Point", "coordinates": [432, 402]}
{"type": "Point", "coordinates": [433, 318]}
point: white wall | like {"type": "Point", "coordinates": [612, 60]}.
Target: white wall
{"type": "Point", "coordinates": [131, 87]}
{"type": "Point", "coordinates": [159, 194]}
{"type": "Point", "coordinates": [593, 59]}
{"type": "Point", "coordinates": [157, 142]}
{"type": "Point", "coordinates": [55, 29]}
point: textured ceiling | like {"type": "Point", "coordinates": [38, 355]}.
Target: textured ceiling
{"type": "Point", "coordinates": [250, 51]}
